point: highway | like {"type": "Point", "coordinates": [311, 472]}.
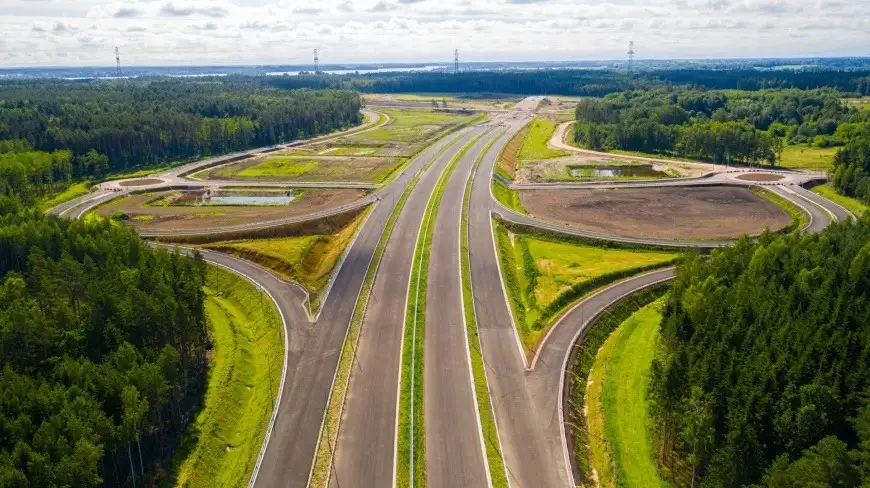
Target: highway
{"type": "Point", "coordinates": [365, 449]}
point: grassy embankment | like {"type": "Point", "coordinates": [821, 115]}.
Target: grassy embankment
{"type": "Point", "coordinates": [221, 447]}
{"type": "Point", "coordinates": [488, 427]}
{"type": "Point", "coordinates": [851, 204]}
{"type": "Point", "coordinates": [808, 157]}
{"type": "Point", "coordinates": [588, 444]}
{"type": "Point", "coordinates": [505, 167]}
{"type": "Point", "coordinates": [799, 219]}
{"type": "Point", "coordinates": [307, 259]}
{"type": "Point", "coordinates": [329, 431]}
{"type": "Point", "coordinates": [75, 190]}
{"type": "Point", "coordinates": [621, 447]}
{"type": "Point", "coordinates": [536, 142]}
{"type": "Point", "coordinates": [411, 126]}
{"type": "Point", "coordinates": [411, 442]}
{"type": "Point", "coordinates": [545, 274]}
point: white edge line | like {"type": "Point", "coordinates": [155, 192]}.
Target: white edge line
{"type": "Point", "coordinates": [565, 366]}
{"type": "Point", "coordinates": [819, 205]}
{"type": "Point", "coordinates": [828, 200]}
{"type": "Point", "coordinates": [795, 202]}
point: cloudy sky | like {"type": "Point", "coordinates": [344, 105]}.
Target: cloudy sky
{"type": "Point", "coordinates": [168, 32]}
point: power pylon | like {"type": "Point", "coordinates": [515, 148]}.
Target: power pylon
{"type": "Point", "coordinates": [456, 60]}
{"type": "Point", "coordinates": [630, 54]}
{"type": "Point", "coordinates": [117, 62]}
{"type": "Point", "coordinates": [316, 62]}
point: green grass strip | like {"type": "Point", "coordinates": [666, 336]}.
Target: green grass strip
{"type": "Point", "coordinates": [799, 218]}
{"type": "Point", "coordinates": [508, 197]}
{"type": "Point", "coordinates": [221, 447]}
{"type": "Point", "coordinates": [851, 204]}
{"type": "Point", "coordinates": [411, 442]}
{"type": "Point", "coordinates": [488, 427]}
{"type": "Point", "coordinates": [329, 430]}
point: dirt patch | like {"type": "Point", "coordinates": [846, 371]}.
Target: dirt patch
{"type": "Point", "coordinates": [145, 182]}
{"type": "Point", "coordinates": [710, 212]}
{"type": "Point", "coordinates": [559, 169]}
{"type": "Point", "coordinates": [760, 177]}
{"type": "Point", "coordinates": [148, 211]}
{"type": "Point", "coordinates": [294, 166]}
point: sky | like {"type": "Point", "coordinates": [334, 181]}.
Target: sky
{"type": "Point", "coordinates": [240, 32]}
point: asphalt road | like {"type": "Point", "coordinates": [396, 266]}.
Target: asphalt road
{"type": "Point", "coordinates": [365, 450]}
{"type": "Point", "coordinates": [454, 447]}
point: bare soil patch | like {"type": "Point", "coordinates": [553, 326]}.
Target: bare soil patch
{"type": "Point", "coordinates": [709, 212]}
{"type": "Point", "coordinates": [760, 177]}
{"type": "Point", "coordinates": [146, 212]}
{"type": "Point", "coordinates": [143, 182]}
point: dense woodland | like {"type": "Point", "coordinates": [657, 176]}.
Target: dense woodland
{"type": "Point", "coordinates": [594, 83]}
{"type": "Point", "coordinates": [721, 126]}
{"type": "Point", "coordinates": [763, 375]}
{"type": "Point", "coordinates": [102, 353]}
{"type": "Point", "coordinates": [142, 123]}
{"type": "Point", "coordinates": [851, 173]}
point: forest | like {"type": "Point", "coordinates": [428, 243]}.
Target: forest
{"type": "Point", "coordinates": [580, 82]}
{"type": "Point", "coordinates": [851, 172]}
{"type": "Point", "coordinates": [763, 371]}
{"type": "Point", "coordinates": [139, 123]}
{"type": "Point", "coordinates": [721, 126]}
{"type": "Point", "coordinates": [97, 387]}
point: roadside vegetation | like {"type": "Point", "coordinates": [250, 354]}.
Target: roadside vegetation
{"type": "Point", "coordinates": [807, 157]}
{"type": "Point", "coordinates": [536, 142]}
{"type": "Point", "coordinates": [74, 190]}
{"type": "Point", "coordinates": [412, 126]}
{"type": "Point", "coordinates": [488, 426]}
{"type": "Point", "coordinates": [508, 197]}
{"type": "Point", "coordinates": [222, 445]}
{"type": "Point", "coordinates": [411, 442]}
{"type": "Point", "coordinates": [589, 449]}
{"type": "Point", "coordinates": [621, 447]}
{"type": "Point", "coordinates": [546, 273]}
{"type": "Point", "coordinates": [506, 167]}
{"type": "Point", "coordinates": [851, 204]}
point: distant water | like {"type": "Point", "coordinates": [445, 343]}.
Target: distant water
{"type": "Point", "coordinates": [360, 71]}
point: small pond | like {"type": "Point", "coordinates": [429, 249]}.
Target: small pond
{"type": "Point", "coordinates": [633, 171]}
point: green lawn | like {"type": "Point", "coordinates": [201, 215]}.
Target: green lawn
{"type": "Point", "coordinates": [279, 167]}
{"type": "Point", "coordinates": [849, 203]}
{"type": "Point", "coordinates": [48, 202]}
{"type": "Point", "coordinates": [411, 126]}
{"type": "Point", "coordinates": [808, 157]}
{"type": "Point", "coordinates": [546, 274]}
{"type": "Point", "coordinates": [535, 144]}
{"type": "Point", "coordinates": [222, 445]}
{"type": "Point", "coordinates": [624, 362]}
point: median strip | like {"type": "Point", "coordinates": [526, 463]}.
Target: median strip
{"type": "Point", "coordinates": [411, 434]}
{"type": "Point", "coordinates": [488, 428]}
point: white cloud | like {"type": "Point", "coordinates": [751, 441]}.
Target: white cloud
{"type": "Point", "coordinates": [285, 31]}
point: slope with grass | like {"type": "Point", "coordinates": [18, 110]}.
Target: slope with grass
{"type": "Point", "coordinates": [508, 197]}
{"type": "Point", "coordinates": [545, 274]}
{"type": "Point", "coordinates": [617, 404]}
{"type": "Point", "coordinates": [535, 144]}
{"type": "Point", "coordinates": [307, 259]}
{"type": "Point", "coordinates": [851, 204]}
{"type": "Point", "coordinates": [222, 445]}
{"type": "Point", "coordinates": [808, 157]}
{"type": "Point", "coordinates": [75, 190]}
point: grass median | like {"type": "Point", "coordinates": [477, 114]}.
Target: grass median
{"type": "Point", "coordinates": [799, 218]}
{"type": "Point", "coordinates": [221, 447]}
{"type": "Point", "coordinates": [329, 430]}
{"type": "Point", "coordinates": [411, 442]}
{"type": "Point", "coordinates": [488, 427]}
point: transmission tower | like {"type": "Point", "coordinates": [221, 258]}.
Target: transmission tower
{"type": "Point", "coordinates": [117, 62]}
{"type": "Point", "coordinates": [316, 62]}
{"type": "Point", "coordinates": [630, 54]}
{"type": "Point", "coordinates": [456, 60]}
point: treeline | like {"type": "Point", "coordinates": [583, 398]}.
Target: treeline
{"type": "Point", "coordinates": [719, 126]}
{"type": "Point", "coordinates": [580, 82]}
{"type": "Point", "coordinates": [142, 123]}
{"type": "Point", "coordinates": [763, 372]}
{"type": "Point", "coordinates": [851, 172]}
{"type": "Point", "coordinates": [102, 353]}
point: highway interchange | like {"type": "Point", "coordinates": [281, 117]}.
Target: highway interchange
{"type": "Point", "coordinates": [525, 394]}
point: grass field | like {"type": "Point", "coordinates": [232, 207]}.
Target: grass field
{"type": "Point", "coordinates": [306, 259]}
{"type": "Point", "coordinates": [75, 190]}
{"type": "Point", "coordinates": [535, 143]}
{"type": "Point", "coordinates": [621, 371]}
{"type": "Point", "coordinates": [331, 167]}
{"type": "Point", "coordinates": [849, 203]}
{"type": "Point", "coordinates": [221, 447]}
{"type": "Point", "coordinates": [546, 274]}
{"type": "Point", "coordinates": [808, 157]}
{"type": "Point", "coordinates": [411, 126]}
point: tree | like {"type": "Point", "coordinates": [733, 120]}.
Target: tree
{"type": "Point", "coordinates": [698, 428]}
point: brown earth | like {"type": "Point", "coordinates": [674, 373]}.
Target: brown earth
{"type": "Point", "coordinates": [760, 177]}
{"type": "Point", "coordinates": [362, 169]}
{"type": "Point", "coordinates": [709, 212]}
{"type": "Point", "coordinates": [158, 217]}
{"type": "Point", "coordinates": [145, 182]}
